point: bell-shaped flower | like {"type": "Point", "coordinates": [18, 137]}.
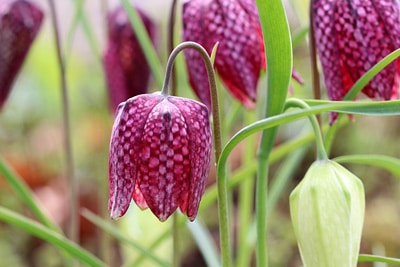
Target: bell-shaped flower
{"type": "Point", "coordinates": [125, 65]}
{"type": "Point", "coordinates": [351, 37]}
{"type": "Point", "coordinates": [160, 153]}
{"type": "Point", "coordinates": [20, 22]}
{"type": "Point", "coordinates": [240, 56]}
{"type": "Point", "coordinates": [327, 210]}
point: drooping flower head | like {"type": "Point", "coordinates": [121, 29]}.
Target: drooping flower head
{"type": "Point", "coordinates": [351, 37]}
{"type": "Point", "coordinates": [240, 56]}
{"type": "Point", "coordinates": [20, 22]}
{"type": "Point", "coordinates": [126, 68]}
{"type": "Point", "coordinates": [160, 152]}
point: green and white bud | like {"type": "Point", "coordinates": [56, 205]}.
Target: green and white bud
{"type": "Point", "coordinates": [327, 210]}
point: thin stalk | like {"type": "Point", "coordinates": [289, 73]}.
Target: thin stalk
{"type": "Point", "coordinates": [175, 240]}
{"type": "Point", "coordinates": [319, 141]}
{"type": "Point", "coordinates": [170, 44]}
{"type": "Point", "coordinates": [222, 184]}
{"type": "Point", "coordinates": [171, 24]}
{"type": "Point", "coordinates": [261, 204]}
{"type": "Point", "coordinates": [246, 202]}
{"type": "Point", "coordinates": [73, 231]}
{"type": "Point", "coordinates": [313, 58]}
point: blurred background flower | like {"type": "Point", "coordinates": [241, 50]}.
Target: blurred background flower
{"type": "Point", "coordinates": [20, 21]}
{"type": "Point", "coordinates": [351, 37]}
{"type": "Point", "coordinates": [125, 65]}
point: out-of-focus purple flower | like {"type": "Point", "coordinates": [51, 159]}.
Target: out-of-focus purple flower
{"type": "Point", "coordinates": [20, 22]}
{"type": "Point", "coordinates": [240, 55]}
{"type": "Point", "coordinates": [126, 68]}
{"type": "Point", "coordinates": [160, 152]}
{"type": "Point", "coordinates": [351, 37]}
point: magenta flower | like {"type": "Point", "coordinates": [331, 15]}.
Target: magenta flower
{"type": "Point", "coordinates": [19, 23]}
{"type": "Point", "coordinates": [351, 37]}
{"type": "Point", "coordinates": [160, 153]}
{"type": "Point", "coordinates": [126, 68]}
{"type": "Point", "coordinates": [240, 56]}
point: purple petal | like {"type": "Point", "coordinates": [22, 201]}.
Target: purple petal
{"type": "Point", "coordinates": [124, 150]}
{"type": "Point", "coordinates": [196, 117]}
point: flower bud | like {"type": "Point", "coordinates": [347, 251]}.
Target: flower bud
{"type": "Point", "coordinates": [327, 210]}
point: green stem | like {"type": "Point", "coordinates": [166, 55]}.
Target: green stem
{"type": "Point", "coordinates": [175, 240]}
{"type": "Point", "coordinates": [73, 231]}
{"type": "Point", "coordinates": [321, 153]}
{"type": "Point", "coordinates": [246, 202]}
{"type": "Point", "coordinates": [222, 184]}
{"type": "Point", "coordinates": [314, 69]}
{"type": "Point", "coordinates": [171, 24]}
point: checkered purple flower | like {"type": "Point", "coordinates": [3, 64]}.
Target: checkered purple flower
{"type": "Point", "coordinates": [240, 57]}
{"type": "Point", "coordinates": [126, 68]}
{"type": "Point", "coordinates": [160, 152]}
{"type": "Point", "coordinates": [351, 37]}
{"type": "Point", "coordinates": [20, 22]}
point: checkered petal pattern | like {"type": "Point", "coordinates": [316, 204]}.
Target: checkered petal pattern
{"type": "Point", "coordinates": [351, 37]}
{"type": "Point", "coordinates": [160, 153]}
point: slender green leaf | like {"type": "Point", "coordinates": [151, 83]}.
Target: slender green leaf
{"type": "Point", "coordinates": [386, 162]}
{"type": "Point", "coordinates": [369, 75]}
{"type": "Point", "coordinates": [374, 258]}
{"type": "Point", "coordinates": [80, 17]}
{"type": "Point", "coordinates": [368, 108]}
{"type": "Point", "coordinates": [50, 236]}
{"type": "Point", "coordinates": [357, 87]}
{"type": "Point", "coordinates": [300, 36]}
{"type": "Point", "coordinates": [279, 57]}
{"type": "Point", "coordinates": [25, 193]}
{"type": "Point", "coordinates": [382, 108]}
{"type": "Point", "coordinates": [278, 46]}
{"type": "Point", "coordinates": [113, 231]}
{"type": "Point", "coordinates": [145, 42]}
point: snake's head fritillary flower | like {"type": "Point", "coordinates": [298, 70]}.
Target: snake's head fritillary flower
{"type": "Point", "coordinates": [240, 57]}
{"type": "Point", "coordinates": [351, 37]}
{"type": "Point", "coordinates": [125, 65]}
{"type": "Point", "coordinates": [20, 22]}
{"type": "Point", "coordinates": [327, 210]}
{"type": "Point", "coordinates": [160, 153]}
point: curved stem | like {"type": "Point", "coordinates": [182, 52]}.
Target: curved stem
{"type": "Point", "coordinates": [222, 184]}
{"type": "Point", "coordinates": [321, 153]}
{"type": "Point", "coordinates": [170, 44]}
{"type": "Point", "coordinates": [73, 232]}
{"type": "Point", "coordinates": [171, 24]}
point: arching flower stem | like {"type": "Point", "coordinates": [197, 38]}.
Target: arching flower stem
{"type": "Point", "coordinates": [295, 102]}
{"type": "Point", "coordinates": [221, 181]}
